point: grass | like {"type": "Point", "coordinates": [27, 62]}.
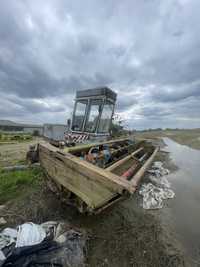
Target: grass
{"type": "Point", "coordinates": [15, 183]}
{"type": "Point", "coordinates": [190, 137]}
{"type": "Point", "coordinates": [14, 137]}
{"type": "Point", "coordinates": [12, 154]}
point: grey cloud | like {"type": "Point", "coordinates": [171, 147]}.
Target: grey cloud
{"type": "Point", "coordinates": [125, 102]}
{"type": "Point", "coordinates": [52, 48]}
{"type": "Point", "coordinates": [154, 112]}
{"type": "Point", "coordinates": [176, 93]}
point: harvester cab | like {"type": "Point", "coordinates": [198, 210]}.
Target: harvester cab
{"type": "Point", "coordinates": [92, 115]}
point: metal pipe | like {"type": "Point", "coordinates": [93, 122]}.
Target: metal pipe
{"type": "Point", "coordinates": [129, 173]}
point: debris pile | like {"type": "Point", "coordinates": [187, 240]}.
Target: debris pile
{"type": "Point", "coordinates": [48, 244]}
{"type": "Point", "coordinates": [158, 190]}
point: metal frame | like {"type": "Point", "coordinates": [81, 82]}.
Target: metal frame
{"type": "Point", "coordinates": [85, 115]}
{"type": "Point", "coordinates": [87, 111]}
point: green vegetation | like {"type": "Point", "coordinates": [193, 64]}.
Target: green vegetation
{"type": "Point", "coordinates": [14, 137]}
{"type": "Point", "coordinates": [118, 127]}
{"type": "Point", "coordinates": [17, 183]}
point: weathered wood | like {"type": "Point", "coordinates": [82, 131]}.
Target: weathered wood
{"type": "Point", "coordinates": [137, 177]}
{"type": "Point", "coordinates": [95, 186]}
{"type": "Point", "coordinates": [86, 168]}
{"type": "Point", "coordinates": [122, 161]}
{"type": "Point", "coordinates": [91, 193]}
{"type": "Point", "coordinates": [85, 147]}
{"type": "Point", "coordinates": [92, 184]}
{"type": "Point", "coordinates": [113, 201]}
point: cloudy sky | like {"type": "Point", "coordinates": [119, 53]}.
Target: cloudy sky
{"type": "Point", "coordinates": [148, 51]}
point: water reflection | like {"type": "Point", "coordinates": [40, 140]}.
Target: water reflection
{"type": "Point", "coordinates": [185, 208]}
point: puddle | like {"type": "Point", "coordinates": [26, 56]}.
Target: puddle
{"type": "Point", "coordinates": [185, 208]}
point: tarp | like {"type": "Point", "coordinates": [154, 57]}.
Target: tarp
{"type": "Point", "coordinates": [48, 244]}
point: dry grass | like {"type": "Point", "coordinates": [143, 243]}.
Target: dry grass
{"type": "Point", "coordinates": [11, 154]}
{"type": "Point", "coordinates": [189, 137]}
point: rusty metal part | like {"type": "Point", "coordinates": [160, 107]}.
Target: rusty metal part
{"type": "Point", "coordinates": [129, 173]}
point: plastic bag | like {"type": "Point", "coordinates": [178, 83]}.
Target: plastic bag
{"type": "Point", "coordinates": [158, 190]}
{"type": "Point", "coordinates": [30, 234]}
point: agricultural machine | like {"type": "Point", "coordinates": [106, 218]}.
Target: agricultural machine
{"type": "Point", "coordinates": [85, 167]}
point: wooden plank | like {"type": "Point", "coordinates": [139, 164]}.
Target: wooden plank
{"type": "Point", "coordinates": [83, 147]}
{"type": "Point", "coordinates": [95, 186]}
{"type": "Point", "coordinates": [122, 161]}
{"type": "Point", "coordinates": [92, 184]}
{"type": "Point", "coordinates": [137, 177]}
{"type": "Point", "coordinates": [115, 200]}
{"type": "Point", "coordinates": [112, 181]}
{"type": "Point", "coordinates": [89, 191]}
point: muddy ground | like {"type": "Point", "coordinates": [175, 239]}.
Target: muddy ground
{"type": "Point", "coordinates": [123, 235]}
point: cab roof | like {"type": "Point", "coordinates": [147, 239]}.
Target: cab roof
{"type": "Point", "coordinates": [98, 91]}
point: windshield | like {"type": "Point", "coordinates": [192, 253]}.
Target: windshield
{"type": "Point", "coordinates": [79, 115]}
{"type": "Point", "coordinates": [106, 116]}
{"type": "Point", "coordinates": [93, 117]}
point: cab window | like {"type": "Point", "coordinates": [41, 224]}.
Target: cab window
{"type": "Point", "coordinates": [93, 116]}
{"type": "Point", "coordinates": [79, 115]}
{"type": "Point", "coordinates": [106, 116]}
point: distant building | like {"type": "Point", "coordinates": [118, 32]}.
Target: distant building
{"type": "Point", "coordinates": [55, 131]}
{"type": "Point", "coordinates": [10, 126]}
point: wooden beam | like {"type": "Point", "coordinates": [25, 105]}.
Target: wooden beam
{"type": "Point", "coordinates": [137, 177]}
{"type": "Point", "coordinates": [122, 161]}
{"type": "Point", "coordinates": [83, 147]}
{"type": "Point", "coordinates": [93, 185]}
{"type": "Point", "coordinates": [89, 169]}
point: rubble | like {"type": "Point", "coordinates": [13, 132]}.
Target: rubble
{"type": "Point", "coordinates": [158, 190]}
{"type": "Point", "coordinates": [48, 244]}
{"type": "Point", "coordinates": [158, 170]}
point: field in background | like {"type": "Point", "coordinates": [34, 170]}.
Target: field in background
{"type": "Point", "coordinates": [12, 138]}
{"type": "Point", "coordinates": [12, 153]}
{"type": "Point", "coordinates": [189, 137]}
